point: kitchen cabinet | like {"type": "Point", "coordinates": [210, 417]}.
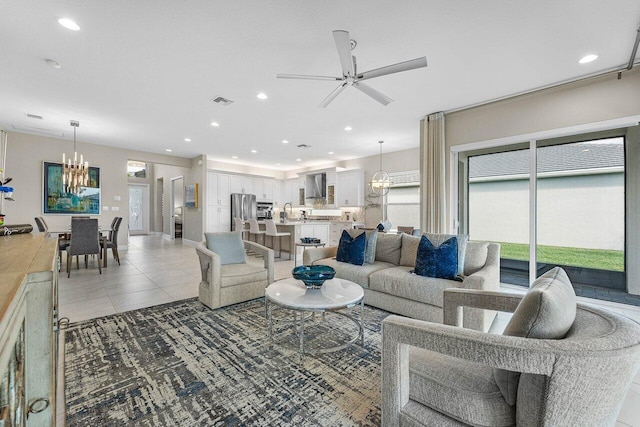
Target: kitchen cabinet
{"type": "Point", "coordinates": [320, 231]}
{"type": "Point", "coordinates": [235, 184]}
{"type": "Point", "coordinates": [335, 231]}
{"type": "Point", "coordinates": [277, 193]}
{"type": "Point", "coordinates": [29, 327]}
{"type": "Point", "coordinates": [248, 185]}
{"type": "Point", "coordinates": [218, 219]}
{"type": "Point", "coordinates": [263, 189]}
{"type": "Point", "coordinates": [218, 189]}
{"type": "Point", "coordinates": [331, 189]}
{"type": "Point", "coordinates": [350, 188]}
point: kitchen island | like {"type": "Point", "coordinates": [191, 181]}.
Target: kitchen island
{"type": "Point", "coordinates": [327, 231]}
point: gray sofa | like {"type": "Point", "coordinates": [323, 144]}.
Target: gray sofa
{"type": "Point", "coordinates": [389, 285]}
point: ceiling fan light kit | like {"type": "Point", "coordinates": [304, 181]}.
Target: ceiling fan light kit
{"type": "Point", "coordinates": [350, 75]}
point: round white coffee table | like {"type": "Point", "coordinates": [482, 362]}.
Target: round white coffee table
{"type": "Point", "coordinates": [334, 295]}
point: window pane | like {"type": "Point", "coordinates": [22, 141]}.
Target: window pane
{"type": "Point", "coordinates": [406, 215]}
{"type": "Point", "coordinates": [499, 209]}
{"type": "Point", "coordinates": [403, 195]}
{"type": "Point", "coordinates": [581, 204]}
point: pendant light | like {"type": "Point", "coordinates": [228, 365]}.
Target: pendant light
{"type": "Point", "coordinates": [380, 181]}
{"type": "Point", "coordinates": [74, 175]}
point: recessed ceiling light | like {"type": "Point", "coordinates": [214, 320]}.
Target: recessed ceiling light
{"type": "Point", "coordinates": [168, 150]}
{"type": "Point", "coordinates": [330, 152]}
{"type": "Point", "coordinates": [348, 128]}
{"type": "Point", "coordinates": [298, 160]}
{"type": "Point", "coordinates": [68, 24]}
{"type": "Point", "coordinates": [187, 140]}
{"type": "Point", "coordinates": [284, 141]}
{"type": "Point", "coordinates": [262, 95]}
{"type": "Point", "coordinates": [588, 58]}
{"type": "Point", "coordinates": [234, 157]}
{"type": "Point", "coordinates": [253, 151]}
{"type": "Point", "coordinates": [215, 124]}
{"type": "Point", "coordinates": [277, 164]}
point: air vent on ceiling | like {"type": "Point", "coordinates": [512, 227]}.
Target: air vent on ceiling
{"type": "Point", "coordinates": [304, 146]}
{"type": "Point", "coordinates": [222, 101]}
{"type": "Point", "coordinates": [33, 116]}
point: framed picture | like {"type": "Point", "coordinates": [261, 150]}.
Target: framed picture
{"type": "Point", "coordinates": [191, 196]}
{"type": "Point", "coordinates": [55, 200]}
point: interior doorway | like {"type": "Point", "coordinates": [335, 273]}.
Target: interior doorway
{"type": "Point", "coordinates": [176, 207]}
{"type": "Point", "coordinates": [138, 209]}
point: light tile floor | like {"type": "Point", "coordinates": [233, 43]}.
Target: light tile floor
{"type": "Point", "coordinates": [155, 271]}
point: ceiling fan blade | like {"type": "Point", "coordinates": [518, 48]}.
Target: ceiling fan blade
{"type": "Point", "coordinates": [333, 94]}
{"type": "Point", "coordinates": [343, 44]}
{"type": "Point", "coordinates": [307, 77]}
{"type": "Point", "coordinates": [368, 90]}
{"type": "Point", "coordinates": [395, 68]}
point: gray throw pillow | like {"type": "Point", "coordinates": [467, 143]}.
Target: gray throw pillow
{"type": "Point", "coordinates": [228, 245]}
{"type": "Point", "coordinates": [388, 248]}
{"type": "Point", "coordinates": [438, 239]}
{"type": "Point", "coordinates": [372, 239]}
{"type": "Point", "coordinates": [409, 250]}
{"type": "Point", "coordinates": [547, 311]}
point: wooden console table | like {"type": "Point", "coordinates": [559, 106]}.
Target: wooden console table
{"type": "Point", "coordinates": [28, 329]}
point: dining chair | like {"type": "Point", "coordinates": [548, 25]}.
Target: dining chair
{"type": "Point", "coordinates": [84, 241]}
{"type": "Point", "coordinates": [405, 229]}
{"type": "Point", "coordinates": [63, 242]}
{"type": "Point", "coordinates": [272, 231]}
{"type": "Point", "coordinates": [112, 240]}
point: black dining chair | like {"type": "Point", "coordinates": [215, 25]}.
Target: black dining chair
{"type": "Point", "coordinates": [84, 241]}
{"type": "Point", "coordinates": [63, 242]}
{"type": "Point", "coordinates": [112, 240]}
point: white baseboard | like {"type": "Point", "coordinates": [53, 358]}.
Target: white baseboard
{"type": "Point", "coordinates": [166, 236]}
{"type": "Point", "coordinates": [187, 242]}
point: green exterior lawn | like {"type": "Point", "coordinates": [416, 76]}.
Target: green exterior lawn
{"type": "Point", "coordinates": [590, 258]}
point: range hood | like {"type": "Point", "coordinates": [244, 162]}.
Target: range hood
{"type": "Point", "coordinates": [316, 186]}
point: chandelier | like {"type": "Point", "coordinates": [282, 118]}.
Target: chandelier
{"type": "Point", "coordinates": [380, 181]}
{"type": "Point", "coordinates": [74, 175]}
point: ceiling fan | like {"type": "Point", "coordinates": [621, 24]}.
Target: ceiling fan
{"type": "Point", "coordinates": [350, 74]}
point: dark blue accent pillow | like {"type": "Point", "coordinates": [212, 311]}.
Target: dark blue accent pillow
{"type": "Point", "coordinates": [440, 262]}
{"type": "Point", "coordinates": [351, 249]}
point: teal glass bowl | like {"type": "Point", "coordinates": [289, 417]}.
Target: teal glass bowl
{"type": "Point", "coordinates": [313, 276]}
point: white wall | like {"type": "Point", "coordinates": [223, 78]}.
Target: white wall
{"type": "Point", "coordinates": [25, 154]}
{"type": "Point", "coordinates": [575, 211]}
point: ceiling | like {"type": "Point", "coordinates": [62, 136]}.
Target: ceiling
{"type": "Point", "coordinates": [141, 74]}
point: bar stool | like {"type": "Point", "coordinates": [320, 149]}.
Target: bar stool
{"type": "Point", "coordinates": [254, 229]}
{"type": "Point", "coordinates": [272, 231]}
{"type": "Point", "coordinates": [240, 227]}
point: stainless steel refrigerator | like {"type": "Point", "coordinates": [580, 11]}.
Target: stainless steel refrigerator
{"type": "Point", "coordinates": [243, 206]}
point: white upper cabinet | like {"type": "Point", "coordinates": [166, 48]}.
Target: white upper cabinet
{"type": "Point", "coordinates": [248, 185]}
{"type": "Point", "coordinates": [350, 188]}
{"type": "Point", "coordinates": [236, 184]}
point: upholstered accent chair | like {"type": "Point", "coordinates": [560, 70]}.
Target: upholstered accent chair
{"type": "Point", "coordinates": [227, 278]}
{"type": "Point", "coordinates": [558, 362]}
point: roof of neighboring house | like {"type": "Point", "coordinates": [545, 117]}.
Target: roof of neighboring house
{"type": "Point", "coordinates": [567, 157]}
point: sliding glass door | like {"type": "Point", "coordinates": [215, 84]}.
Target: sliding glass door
{"type": "Point", "coordinates": [570, 212]}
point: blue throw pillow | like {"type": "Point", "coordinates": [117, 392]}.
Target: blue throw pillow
{"type": "Point", "coordinates": [351, 249]}
{"type": "Point", "coordinates": [228, 245]}
{"type": "Point", "coordinates": [440, 262]}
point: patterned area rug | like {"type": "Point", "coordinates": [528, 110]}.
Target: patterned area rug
{"type": "Point", "coordinates": [181, 364]}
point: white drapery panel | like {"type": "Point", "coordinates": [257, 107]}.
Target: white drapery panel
{"type": "Point", "coordinates": [433, 209]}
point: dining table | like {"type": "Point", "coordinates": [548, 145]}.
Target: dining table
{"type": "Point", "coordinates": [65, 234]}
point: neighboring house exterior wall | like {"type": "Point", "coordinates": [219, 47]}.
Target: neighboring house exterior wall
{"type": "Point", "coordinates": [580, 211]}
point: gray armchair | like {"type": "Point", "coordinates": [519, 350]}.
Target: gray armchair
{"type": "Point", "coordinates": [443, 375]}
{"type": "Point", "coordinates": [228, 284]}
